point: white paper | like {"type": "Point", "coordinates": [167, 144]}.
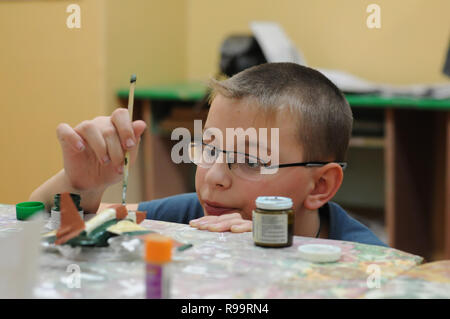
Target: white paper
{"type": "Point", "coordinates": [349, 83]}
{"type": "Point", "coordinates": [275, 44]}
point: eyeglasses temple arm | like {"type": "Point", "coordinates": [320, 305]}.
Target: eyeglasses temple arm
{"type": "Point", "coordinates": [308, 164]}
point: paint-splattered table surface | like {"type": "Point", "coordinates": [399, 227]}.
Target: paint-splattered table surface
{"type": "Point", "coordinates": [226, 265]}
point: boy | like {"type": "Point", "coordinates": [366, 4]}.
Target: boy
{"type": "Point", "coordinates": [314, 123]}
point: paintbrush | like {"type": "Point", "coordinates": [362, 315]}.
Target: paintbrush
{"type": "Point", "coordinates": [127, 154]}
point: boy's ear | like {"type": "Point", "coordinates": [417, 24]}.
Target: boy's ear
{"type": "Point", "coordinates": [327, 179]}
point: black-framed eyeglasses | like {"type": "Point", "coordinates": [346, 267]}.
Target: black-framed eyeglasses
{"type": "Point", "coordinates": [242, 164]}
{"type": "Point", "coordinates": [309, 164]}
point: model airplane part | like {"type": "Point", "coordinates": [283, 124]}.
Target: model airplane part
{"type": "Point", "coordinates": [112, 221]}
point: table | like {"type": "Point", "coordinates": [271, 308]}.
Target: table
{"type": "Point", "coordinates": [227, 265]}
{"type": "Point", "coordinates": [417, 159]}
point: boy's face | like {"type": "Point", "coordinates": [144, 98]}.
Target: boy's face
{"type": "Point", "coordinates": [221, 191]}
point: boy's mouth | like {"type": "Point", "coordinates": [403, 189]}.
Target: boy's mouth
{"type": "Point", "coordinates": [216, 209]}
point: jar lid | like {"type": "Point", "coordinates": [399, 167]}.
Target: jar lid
{"type": "Point", "coordinates": [273, 202]}
{"type": "Point", "coordinates": [319, 252]}
{"type": "Point", "coordinates": [158, 248]}
{"type": "Point", "coordinates": [25, 210]}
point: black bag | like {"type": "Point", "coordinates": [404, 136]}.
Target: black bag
{"type": "Point", "coordinates": [239, 52]}
{"type": "Point", "coordinates": [446, 69]}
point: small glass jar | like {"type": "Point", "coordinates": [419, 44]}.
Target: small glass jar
{"type": "Point", "coordinates": [273, 221]}
{"type": "Point", "coordinates": [76, 198]}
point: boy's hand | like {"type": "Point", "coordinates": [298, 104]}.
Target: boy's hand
{"type": "Point", "coordinates": [228, 222]}
{"type": "Point", "coordinates": [94, 150]}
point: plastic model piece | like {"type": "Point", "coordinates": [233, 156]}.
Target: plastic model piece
{"type": "Point", "coordinates": [112, 221]}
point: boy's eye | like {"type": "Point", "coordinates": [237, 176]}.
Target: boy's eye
{"type": "Point", "coordinates": [253, 165]}
{"type": "Point", "coordinates": [213, 153]}
{"type": "Point", "coordinates": [252, 162]}
{"type": "Point", "coordinates": [209, 152]}
{"type": "Point", "coordinates": [246, 160]}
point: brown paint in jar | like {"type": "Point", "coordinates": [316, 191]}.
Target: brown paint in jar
{"type": "Point", "coordinates": [273, 221]}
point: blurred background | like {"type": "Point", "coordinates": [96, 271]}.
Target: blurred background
{"type": "Point", "coordinates": [50, 73]}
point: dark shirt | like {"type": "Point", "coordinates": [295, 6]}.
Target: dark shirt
{"type": "Point", "coordinates": [185, 207]}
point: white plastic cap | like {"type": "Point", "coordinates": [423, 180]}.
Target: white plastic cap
{"type": "Point", "coordinates": [319, 253]}
{"type": "Point", "coordinates": [273, 202]}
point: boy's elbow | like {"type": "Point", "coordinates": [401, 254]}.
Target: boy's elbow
{"type": "Point", "coordinates": [35, 196]}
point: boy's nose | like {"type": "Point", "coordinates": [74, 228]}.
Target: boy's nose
{"type": "Point", "coordinates": [218, 176]}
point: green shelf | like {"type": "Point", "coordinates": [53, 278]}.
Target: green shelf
{"type": "Point", "coordinates": [195, 91]}
{"type": "Point", "coordinates": [366, 100]}
{"type": "Point", "coordinates": [189, 91]}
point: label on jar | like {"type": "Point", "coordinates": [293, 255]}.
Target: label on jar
{"type": "Point", "coordinates": [270, 228]}
{"type": "Point", "coordinates": [55, 218]}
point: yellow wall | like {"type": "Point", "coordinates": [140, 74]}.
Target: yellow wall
{"type": "Point", "coordinates": [48, 74]}
{"type": "Point", "coordinates": [146, 38]}
{"type": "Point", "coordinates": [409, 48]}
{"type": "Point", "coordinates": [51, 74]}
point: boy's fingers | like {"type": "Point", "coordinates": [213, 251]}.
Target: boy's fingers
{"type": "Point", "coordinates": [121, 120]}
{"type": "Point", "coordinates": [206, 221]}
{"type": "Point", "coordinates": [69, 138]}
{"type": "Point", "coordinates": [139, 127]}
{"type": "Point", "coordinates": [246, 226]}
{"type": "Point", "coordinates": [202, 221]}
{"type": "Point", "coordinates": [229, 216]}
{"type": "Point", "coordinates": [134, 151]}
{"type": "Point", "coordinates": [225, 225]}
{"type": "Point", "coordinates": [114, 148]}
{"type": "Point", "coordinates": [95, 139]}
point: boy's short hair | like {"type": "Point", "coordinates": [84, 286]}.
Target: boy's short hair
{"type": "Point", "coordinates": [324, 115]}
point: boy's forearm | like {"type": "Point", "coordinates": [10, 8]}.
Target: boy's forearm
{"type": "Point", "coordinates": [59, 183]}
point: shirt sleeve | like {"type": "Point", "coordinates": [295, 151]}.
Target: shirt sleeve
{"type": "Point", "coordinates": [176, 209]}
{"type": "Point", "coordinates": [345, 227]}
